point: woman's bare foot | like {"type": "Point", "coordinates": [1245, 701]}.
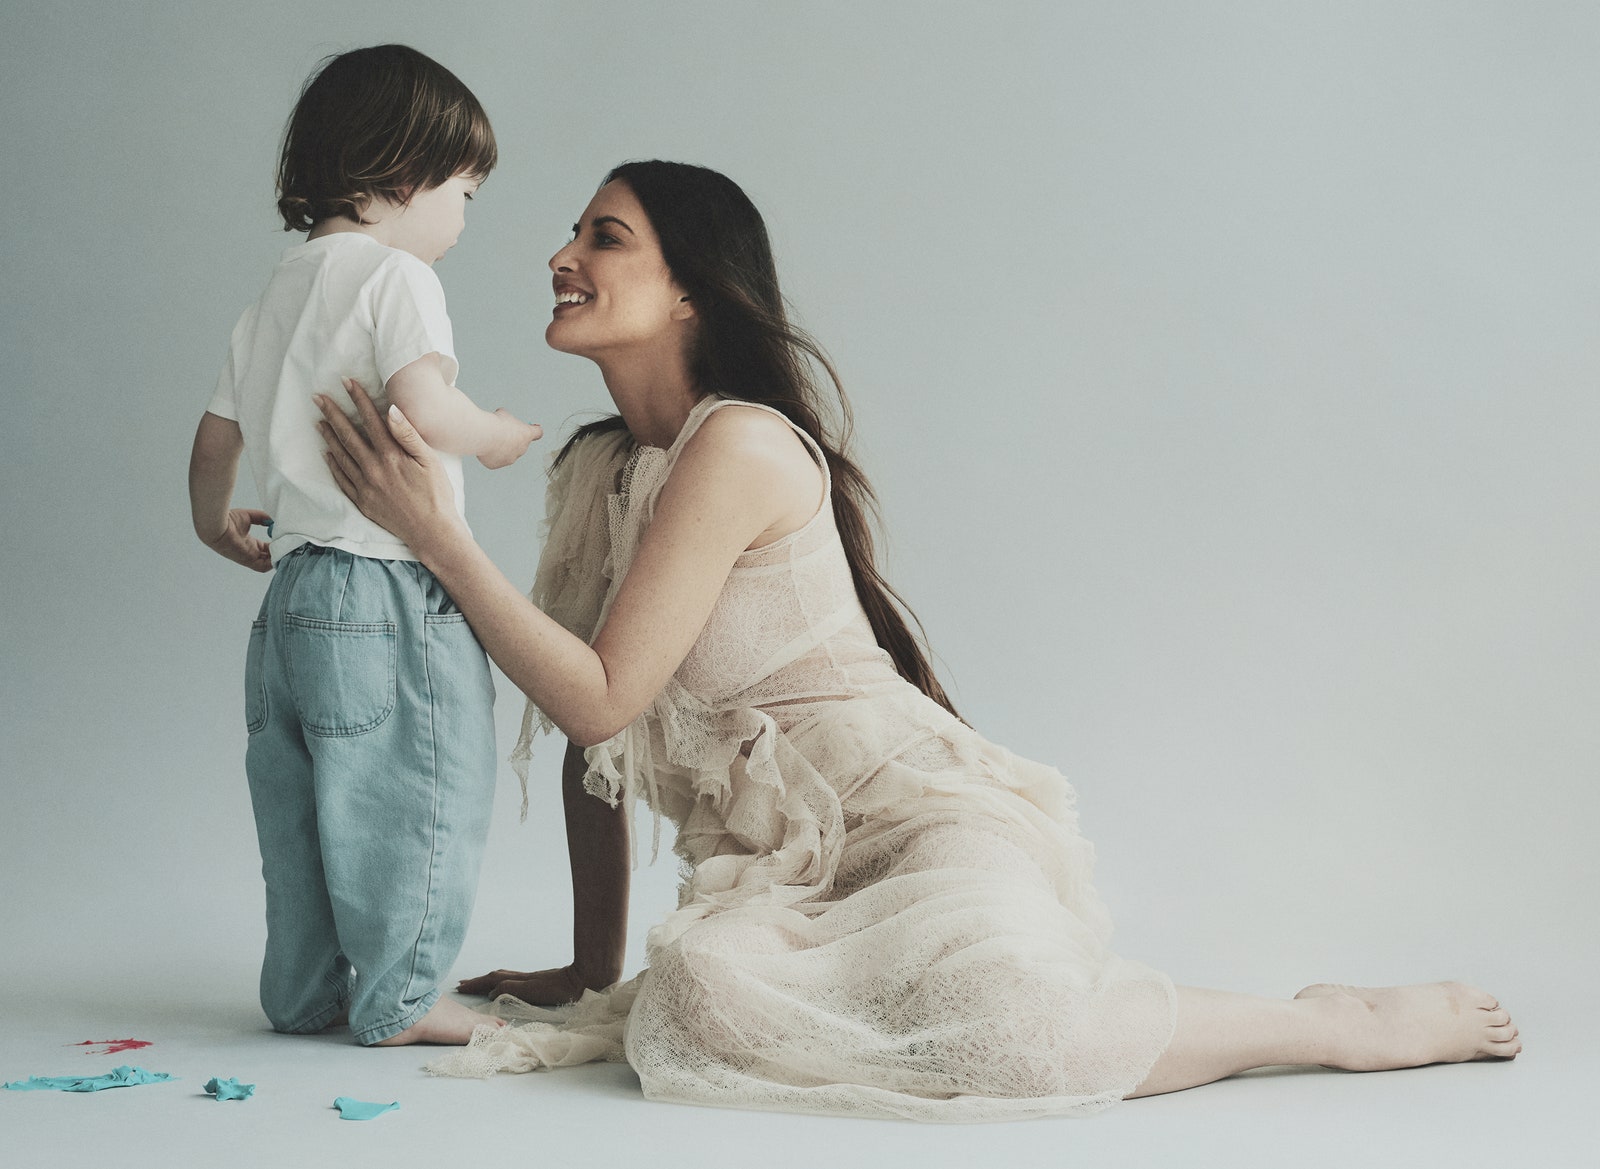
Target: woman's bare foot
{"type": "Point", "coordinates": [1408, 1026]}
{"type": "Point", "coordinates": [447, 1023]}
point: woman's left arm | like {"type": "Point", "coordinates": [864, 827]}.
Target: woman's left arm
{"type": "Point", "coordinates": [734, 481]}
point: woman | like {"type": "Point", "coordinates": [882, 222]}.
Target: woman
{"type": "Point", "coordinates": [884, 913]}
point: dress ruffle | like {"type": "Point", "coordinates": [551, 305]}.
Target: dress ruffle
{"type": "Point", "coordinates": [883, 914]}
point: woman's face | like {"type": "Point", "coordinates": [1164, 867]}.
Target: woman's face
{"type": "Point", "coordinates": [613, 290]}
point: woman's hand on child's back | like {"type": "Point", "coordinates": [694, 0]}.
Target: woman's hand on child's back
{"type": "Point", "coordinates": [388, 471]}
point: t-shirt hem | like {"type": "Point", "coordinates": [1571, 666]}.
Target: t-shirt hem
{"type": "Point", "coordinates": [281, 546]}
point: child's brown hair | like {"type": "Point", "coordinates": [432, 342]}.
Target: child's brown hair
{"type": "Point", "coordinates": [382, 122]}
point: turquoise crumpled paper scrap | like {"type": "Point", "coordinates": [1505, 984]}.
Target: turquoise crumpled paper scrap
{"type": "Point", "coordinates": [229, 1089]}
{"type": "Point", "coordinates": [123, 1077]}
{"type": "Point", "coordinates": [360, 1109]}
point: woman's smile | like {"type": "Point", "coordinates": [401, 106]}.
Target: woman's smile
{"type": "Point", "coordinates": [569, 295]}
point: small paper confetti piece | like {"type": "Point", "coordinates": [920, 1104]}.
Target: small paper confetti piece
{"type": "Point", "coordinates": [360, 1109]}
{"type": "Point", "coordinates": [229, 1089]}
{"type": "Point", "coordinates": [123, 1077]}
{"type": "Point", "coordinates": [112, 1046]}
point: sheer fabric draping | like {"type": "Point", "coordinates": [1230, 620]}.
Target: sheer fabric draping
{"type": "Point", "coordinates": [882, 912]}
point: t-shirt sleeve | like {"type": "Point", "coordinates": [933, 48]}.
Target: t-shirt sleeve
{"type": "Point", "coordinates": [222, 401]}
{"type": "Point", "coordinates": [409, 319]}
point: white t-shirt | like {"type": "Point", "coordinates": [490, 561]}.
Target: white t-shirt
{"type": "Point", "coordinates": [340, 306]}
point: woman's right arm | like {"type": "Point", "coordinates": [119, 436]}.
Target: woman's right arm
{"type": "Point", "coordinates": [741, 475]}
{"type": "Point", "coordinates": [597, 850]}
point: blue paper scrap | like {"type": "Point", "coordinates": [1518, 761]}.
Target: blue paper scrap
{"type": "Point", "coordinates": [123, 1077]}
{"type": "Point", "coordinates": [229, 1089]}
{"type": "Point", "coordinates": [360, 1109]}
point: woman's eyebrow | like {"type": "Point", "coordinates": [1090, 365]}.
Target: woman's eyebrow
{"type": "Point", "coordinates": [599, 219]}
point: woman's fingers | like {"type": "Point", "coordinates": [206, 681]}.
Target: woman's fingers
{"type": "Point", "coordinates": [484, 983]}
{"type": "Point", "coordinates": [365, 408]}
{"type": "Point", "coordinates": [339, 429]}
{"type": "Point", "coordinates": [406, 435]}
{"type": "Point", "coordinates": [408, 438]}
{"type": "Point", "coordinates": [539, 987]}
{"type": "Point", "coordinates": [337, 465]}
{"type": "Point", "coordinates": [342, 461]}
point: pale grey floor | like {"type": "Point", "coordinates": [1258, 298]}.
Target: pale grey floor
{"type": "Point", "coordinates": [113, 955]}
{"type": "Point", "coordinates": [1537, 1112]}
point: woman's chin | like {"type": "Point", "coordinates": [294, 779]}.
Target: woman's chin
{"type": "Point", "coordinates": [553, 337]}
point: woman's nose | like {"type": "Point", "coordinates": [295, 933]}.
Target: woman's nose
{"type": "Point", "coordinates": [561, 261]}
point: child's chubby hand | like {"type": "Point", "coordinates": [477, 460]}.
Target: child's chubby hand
{"type": "Point", "coordinates": [511, 442]}
{"type": "Point", "coordinates": [238, 545]}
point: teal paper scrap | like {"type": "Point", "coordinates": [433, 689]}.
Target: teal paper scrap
{"type": "Point", "coordinates": [229, 1089]}
{"type": "Point", "coordinates": [360, 1109]}
{"type": "Point", "coordinates": [123, 1077]}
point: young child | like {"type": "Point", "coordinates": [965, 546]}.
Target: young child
{"type": "Point", "coordinates": [368, 701]}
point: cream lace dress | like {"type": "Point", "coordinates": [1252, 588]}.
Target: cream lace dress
{"type": "Point", "coordinates": [882, 912]}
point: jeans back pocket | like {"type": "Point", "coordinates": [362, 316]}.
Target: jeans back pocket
{"type": "Point", "coordinates": [342, 673]}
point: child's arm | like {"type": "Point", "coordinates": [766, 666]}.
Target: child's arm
{"type": "Point", "coordinates": [213, 464]}
{"type": "Point", "coordinates": [449, 421]}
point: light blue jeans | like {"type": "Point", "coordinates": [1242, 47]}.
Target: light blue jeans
{"type": "Point", "coordinates": [372, 768]}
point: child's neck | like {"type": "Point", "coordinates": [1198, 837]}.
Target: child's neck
{"type": "Point", "coordinates": [339, 225]}
{"type": "Point", "coordinates": [375, 218]}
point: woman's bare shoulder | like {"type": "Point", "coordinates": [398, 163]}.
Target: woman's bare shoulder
{"type": "Point", "coordinates": [760, 452]}
{"type": "Point", "coordinates": [749, 433]}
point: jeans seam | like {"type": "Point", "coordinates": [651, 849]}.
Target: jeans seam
{"type": "Point", "coordinates": [433, 826]}
{"type": "Point", "coordinates": [344, 585]}
{"type": "Point", "coordinates": [252, 726]}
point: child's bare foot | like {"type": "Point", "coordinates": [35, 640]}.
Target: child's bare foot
{"type": "Point", "coordinates": [447, 1023]}
{"type": "Point", "coordinates": [1408, 1026]}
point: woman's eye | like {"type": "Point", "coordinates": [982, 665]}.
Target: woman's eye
{"type": "Point", "coordinates": [603, 239]}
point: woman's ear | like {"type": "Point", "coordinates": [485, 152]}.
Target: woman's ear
{"type": "Point", "coordinates": [683, 309]}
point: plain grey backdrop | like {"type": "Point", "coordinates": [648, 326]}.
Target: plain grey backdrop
{"type": "Point", "coordinates": [1227, 372]}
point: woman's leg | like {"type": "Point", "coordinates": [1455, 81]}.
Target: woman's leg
{"type": "Point", "coordinates": [1359, 1029]}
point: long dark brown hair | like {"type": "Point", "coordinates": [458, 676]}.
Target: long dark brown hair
{"type": "Point", "coordinates": [715, 244]}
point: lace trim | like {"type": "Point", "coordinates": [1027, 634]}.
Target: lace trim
{"type": "Point", "coordinates": [609, 485]}
{"type": "Point", "coordinates": [535, 1037]}
{"type": "Point", "coordinates": [573, 578]}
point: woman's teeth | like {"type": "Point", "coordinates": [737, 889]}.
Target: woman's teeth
{"type": "Point", "coordinates": [572, 298]}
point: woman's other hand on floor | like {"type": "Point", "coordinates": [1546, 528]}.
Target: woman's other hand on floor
{"type": "Point", "coordinates": [541, 988]}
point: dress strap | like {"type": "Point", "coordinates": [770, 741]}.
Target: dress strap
{"type": "Point", "coordinates": [711, 403]}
